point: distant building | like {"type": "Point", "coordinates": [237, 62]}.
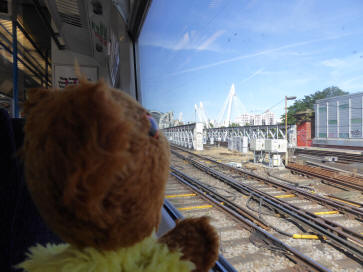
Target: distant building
{"type": "Point", "coordinates": [257, 120]}
{"type": "Point", "coordinates": [165, 120]}
{"type": "Point", "coordinates": [243, 119]}
{"type": "Point", "coordinates": [267, 118]}
{"type": "Point", "coordinates": [156, 115]}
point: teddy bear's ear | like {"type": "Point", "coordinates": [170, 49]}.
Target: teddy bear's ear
{"type": "Point", "coordinates": [34, 96]}
{"type": "Point", "coordinates": [197, 240]}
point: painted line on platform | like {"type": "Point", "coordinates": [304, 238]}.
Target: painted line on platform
{"type": "Point", "coordinates": [180, 195]}
{"type": "Point", "coordinates": [195, 207]}
{"type": "Point", "coordinates": [285, 196]}
{"type": "Point", "coordinates": [328, 212]}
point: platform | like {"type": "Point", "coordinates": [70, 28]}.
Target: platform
{"type": "Point", "coordinates": [329, 149]}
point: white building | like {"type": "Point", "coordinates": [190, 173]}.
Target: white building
{"type": "Point", "coordinates": [339, 121]}
{"type": "Point", "coordinates": [267, 118]}
{"type": "Point", "coordinates": [257, 120]}
{"type": "Point", "coordinates": [243, 119]}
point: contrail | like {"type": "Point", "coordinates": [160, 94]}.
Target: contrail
{"type": "Point", "coordinates": [252, 75]}
{"type": "Point", "coordinates": [264, 52]}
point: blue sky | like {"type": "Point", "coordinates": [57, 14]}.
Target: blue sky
{"type": "Point", "coordinates": [192, 51]}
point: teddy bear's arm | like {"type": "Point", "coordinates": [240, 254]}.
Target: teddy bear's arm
{"type": "Point", "coordinates": [197, 240]}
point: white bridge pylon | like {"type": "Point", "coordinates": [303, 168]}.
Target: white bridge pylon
{"type": "Point", "coordinates": [202, 117]}
{"type": "Point", "coordinates": [226, 106]}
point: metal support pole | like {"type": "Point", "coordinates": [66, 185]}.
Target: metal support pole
{"type": "Point", "coordinates": [287, 140]}
{"type": "Point", "coordinates": [350, 118]}
{"type": "Point", "coordinates": [46, 68]}
{"type": "Point", "coordinates": [287, 148]}
{"type": "Point", "coordinates": [15, 71]}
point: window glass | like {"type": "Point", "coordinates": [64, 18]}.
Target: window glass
{"type": "Point", "coordinates": [255, 51]}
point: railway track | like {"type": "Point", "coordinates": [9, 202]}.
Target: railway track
{"type": "Point", "coordinates": [251, 247]}
{"type": "Point", "coordinates": [350, 209]}
{"type": "Point", "coordinates": [285, 201]}
{"type": "Point", "coordinates": [328, 176]}
{"type": "Point", "coordinates": [344, 157]}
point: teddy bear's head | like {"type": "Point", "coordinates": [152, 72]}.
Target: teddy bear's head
{"type": "Point", "coordinates": [95, 166]}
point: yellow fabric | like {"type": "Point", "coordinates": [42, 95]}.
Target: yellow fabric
{"type": "Point", "coordinates": [147, 255]}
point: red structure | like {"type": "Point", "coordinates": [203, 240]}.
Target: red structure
{"type": "Point", "coordinates": [304, 134]}
{"type": "Point", "coordinates": [305, 122]}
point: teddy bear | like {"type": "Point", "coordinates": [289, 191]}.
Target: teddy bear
{"type": "Point", "coordinates": [96, 167]}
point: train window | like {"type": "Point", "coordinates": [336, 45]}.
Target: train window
{"type": "Point", "coordinates": [257, 100]}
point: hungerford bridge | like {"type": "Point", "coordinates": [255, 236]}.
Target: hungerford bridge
{"type": "Point", "coordinates": [195, 135]}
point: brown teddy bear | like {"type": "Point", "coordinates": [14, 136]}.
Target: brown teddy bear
{"type": "Point", "coordinates": [96, 168]}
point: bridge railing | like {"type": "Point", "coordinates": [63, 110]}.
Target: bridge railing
{"type": "Point", "coordinates": [194, 135]}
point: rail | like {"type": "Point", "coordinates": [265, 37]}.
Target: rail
{"type": "Point", "coordinates": [330, 176]}
{"type": "Point", "coordinates": [336, 234]}
{"type": "Point", "coordinates": [354, 211]}
{"type": "Point", "coordinates": [305, 262]}
{"type": "Point", "coordinates": [342, 156]}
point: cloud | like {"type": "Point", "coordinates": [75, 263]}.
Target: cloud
{"type": "Point", "coordinates": [346, 65]}
{"type": "Point", "coordinates": [353, 79]}
{"type": "Point", "coordinates": [260, 53]}
{"type": "Point", "coordinates": [253, 75]}
{"type": "Point", "coordinates": [345, 72]}
{"type": "Point", "coordinates": [183, 42]}
{"type": "Point", "coordinates": [189, 41]}
{"type": "Point", "coordinates": [334, 63]}
{"type": "Point", "coordinates": [205, 45]}
{"type": "Point", "coordinates": [354, 84]}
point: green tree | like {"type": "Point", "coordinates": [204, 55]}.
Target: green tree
{"type": "Point", "coordinates": [234, 125]}
{"type": "Point", "coordinates": [308, 102]}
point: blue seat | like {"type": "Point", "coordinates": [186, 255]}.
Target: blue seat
{"type": "Point", "coordinates": [20, 224]}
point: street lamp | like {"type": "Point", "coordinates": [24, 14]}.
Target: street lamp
{"type": "Point", "coordinates": [287, 147]}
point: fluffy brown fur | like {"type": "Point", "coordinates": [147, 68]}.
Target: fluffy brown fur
{"type": "Point", "coordinates": [197, 240]}
{"type": "Point", "coordinates": [95, 174]}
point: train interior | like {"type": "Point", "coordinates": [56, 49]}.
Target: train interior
{"type": "Point", "coordinates": [47, 39]}
{"type": "Point", "coordinates": [41, 44]}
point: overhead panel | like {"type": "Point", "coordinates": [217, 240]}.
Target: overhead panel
{"type": "Point", "coordinates": [5, 9]}
{"type": "Point", "coordinates": [71, 19]}
{"type": "Point", "coordinates": [69, 12]}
